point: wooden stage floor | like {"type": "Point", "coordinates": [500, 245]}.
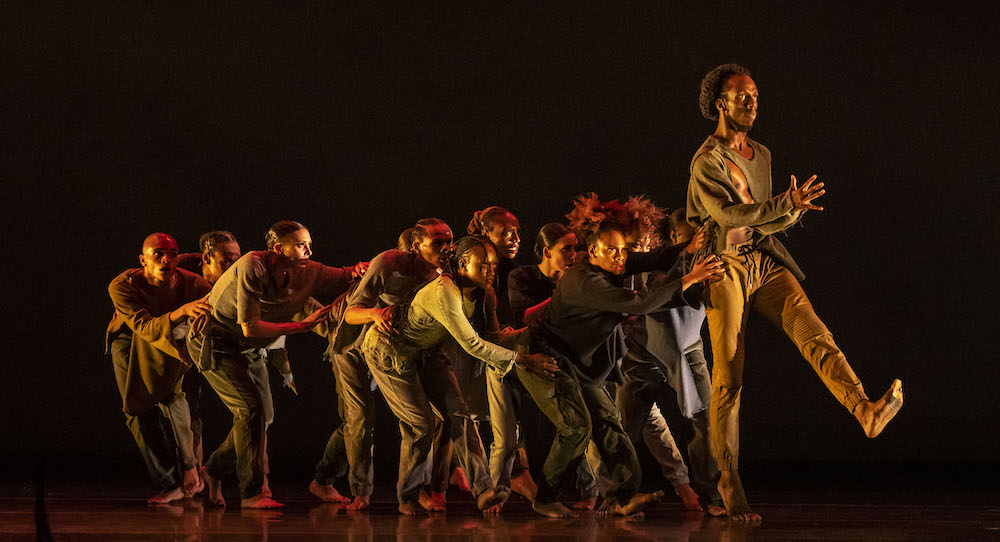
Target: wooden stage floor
{"type": "Point", "coordinates": [97, 516]}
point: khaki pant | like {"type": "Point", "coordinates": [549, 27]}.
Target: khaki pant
{"type": "Point", "coordinates": [753, 280]}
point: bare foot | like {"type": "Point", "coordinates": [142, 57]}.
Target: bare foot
{"type": "Point", "coordinates": [874, 416]}
{"type": "Point", "coordinates": [411, 509]}
{"type": "Point", "coordinates": [460, 480]}
{"type": "Point", "coordinates": [731, 489]}
{"type": "Point", "coordinates": [192, 482]}
{"type": "Point", "coordinates": [260, 502]}
{"type": "Point", "coordinates": [715, 510]}
{"type": "Point", "coordinates": [523, 484]}
{"type": "Point", "coordinates": [493, 511]}
{"type": "Point", "coordinates": [327, 493]}
{"type": "Point", "coordinates": [689, 497]}
{"type": "Point", "coordinates": [166, 497]}
{"type": "Point", "coordinates": [433, 502]}
{"type": "Point", "coordinates": [265, 488]}
{"type": "Point", "coordinates": [215, 497]}
{"type": "Point", "coordinates": [491, 498]}
{"type": "Point", "coordinates": [553, 510]}
{"type": "Point", "coordinates": [635, 505]}
{"type": "Point", "coordinates": [359, 503]}
{"type": "Point", "coordinates": [587, 503]}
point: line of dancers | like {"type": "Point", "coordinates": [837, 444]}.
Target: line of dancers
{"type": "Point", "coordinates": [456, 333]}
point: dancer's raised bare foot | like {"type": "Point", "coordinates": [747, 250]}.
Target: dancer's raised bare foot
{"type": "Point", "coordinates": [490, 498]}
{"type": "Point", "coordinates": [359, 503]}
{"type": "Point", "coordinates": [432, 502]}
{"type": "Point", "coordinates": [689, 498]}
{"type": "Point", "coordinates": [460, 480]}
{"type": "Point", "coordinates": [586, 503]}
{"type": "Point", "coordinates": [215, 497]}
{"type": "Point", "coordinates": [327, 493]}
{"type": "Point", "coordinates": [553, 510]}
{"type": "Point", "coordinates": [260, 502]}
{"type": "Point", "coordinates": [412, 509]}
{"type": "Point", "coordinates": [524, 485]}
{"type": "Point", "coordinates": [874, 416]}
{"type": "Point", "coordinates": [166, 497]}
{"type": "Point", "coordinates": [735, 499]}
{"type": "Point", "coordinates": [635, 505]}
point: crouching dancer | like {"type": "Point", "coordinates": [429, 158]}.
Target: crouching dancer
{"type": "Point", "coordinates": [416, 379]}
{"type": "Point", "coordinates": [145, 341]}
{"type": "Point", "coordinates": [582, 330]}
{"type": "Point", "coordinates": [254, 302]}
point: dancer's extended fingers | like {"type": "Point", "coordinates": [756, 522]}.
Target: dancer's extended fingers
{"type": "Point", "coordinates": [809, 182]}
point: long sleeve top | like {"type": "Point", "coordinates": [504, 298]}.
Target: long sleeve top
{"type": "Point", "coordinates": [583, 321]}
{"type": "Point", "coordinates": [527, 287]}
{"type": "Point", "coordinates": [713, 199]}
{"type": "Point", "coordinates": [390, 277]}
{"type": "Point", "coordinates": [154, 364]}
{"type": "Point", "coordinates": [437, 310]}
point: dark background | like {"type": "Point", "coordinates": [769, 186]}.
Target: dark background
{"type": "Point", "coordinates": [357, 122]}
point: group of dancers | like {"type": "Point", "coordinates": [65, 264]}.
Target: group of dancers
{"type": "Point", "coordinates": [457, 333]}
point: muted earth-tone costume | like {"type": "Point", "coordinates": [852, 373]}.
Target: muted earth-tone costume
{"type": "Point", "coordinates": [416, 379]}
{"type": "Point", "coordinates": [391, 275]}
{"type": "Point", "coordinates": [581, 329]}
{"type": "Point", "coordinates": [146, 351]}
{"type": "Point", "coordinates": [759, 275]}
{"type": "Point", "coordinates": [232, 364]}
{"type": "Point", "coordinates": [665, 348]}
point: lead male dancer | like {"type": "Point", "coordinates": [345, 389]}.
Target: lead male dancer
{"type": "Point", "coordinates": [730, 194]}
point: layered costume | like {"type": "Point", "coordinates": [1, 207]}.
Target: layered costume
{"type": "Point", "coordinates": [232, 364]}
{"type": "Point", "coordinates": [149, 358]}
{"type": "Point", "coordinates": [760, 274]}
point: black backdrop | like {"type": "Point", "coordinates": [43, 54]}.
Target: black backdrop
{"type": "Point", "coordinates": [128, 120]}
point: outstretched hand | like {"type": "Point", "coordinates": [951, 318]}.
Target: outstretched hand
{"type": "Point", "coordinates": [538, 363]}
{"type": "Point", "coordinates": [698, 241]}
{"type": "Point", "coordinates": [193, 309]}
{"type": "Point", "coordinates": [318, 316]}
{"type": "Point", "coordinates": [802, 198]}
{"type": "Point", "coordinates": [382, 319]}
{"type": "Point", "coordinates": [708, 267]}
{"type": "Point", "coordinates": [360, 269]}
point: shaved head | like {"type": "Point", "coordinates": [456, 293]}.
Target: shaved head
{"type": "Point", "coordinates": [158, 240]}
{"type": "Point", "coordinates": [158, 258]}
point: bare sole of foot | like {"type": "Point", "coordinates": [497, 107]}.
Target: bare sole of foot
{"type": "Point", "coordinates": [524, 485]}
{"type": "Point", "coordinates": [166, 497]}
{"type": "Point", "coordinates": [874, 416]}
{"type": "Point", "coordinates": [260, 502]}
{"type": "Point", "coordinates": [434, 502]}
{"type": "Point", "coordinates": [585, 504]}
{"type": "Point", "coordinates": [460, 480]}
{"type": "Point", "coordinates": [412, 509]}
{"type": "Point", "coordinates": [735, 499]}
{"type": "Point", "coordinates": [553, 510]}
{"type": "Point", "coordinates": [327, 493]}
{"type": "Point", "coordinates": [635, 505]}
{"type": "Point", "coordinates": [689, 498]}
{"type": "Point", "coordinates": [359, 503]}
{"type": "Point", "coordinates": [715, 511]}
{"type": "Point", "coordinates": [215, 497]}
